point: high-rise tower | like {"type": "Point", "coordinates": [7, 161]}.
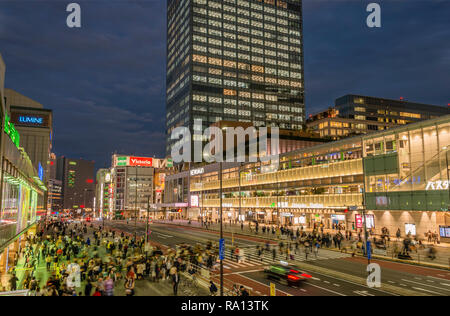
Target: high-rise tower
{"type": "Point", "coordinates": [234, 60]}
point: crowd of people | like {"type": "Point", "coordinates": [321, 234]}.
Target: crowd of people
{"type": "Point", "coordinates": [79, 259]}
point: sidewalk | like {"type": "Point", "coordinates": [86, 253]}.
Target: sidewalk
{"type": "Point", "coordinates": [420, 257]}
{"type": "Point", "coordinates": [142, 287]}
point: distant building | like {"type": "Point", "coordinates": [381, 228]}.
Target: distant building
{"type": "Point", "coordinates": [35, 126]}
{"type": "Point", "coordinates": [103, 193]}
{"type": "Point", "coordinates": [78, 185]}
{"type": "Point", "coordinates": [55, 197]}
{"type": "Point", "coordinates": [136, 184]}
{"type": "Point", "coordinates": [356, 115]}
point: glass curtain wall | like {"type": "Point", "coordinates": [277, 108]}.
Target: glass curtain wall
{"type": "Point", "coordinates": [19, 206]}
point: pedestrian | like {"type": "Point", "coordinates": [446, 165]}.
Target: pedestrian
{"type": "Point", "coordinates": [175, 282]}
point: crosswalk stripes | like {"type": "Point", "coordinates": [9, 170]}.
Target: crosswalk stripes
{"type": "Point", "coordinates": [253, 260]}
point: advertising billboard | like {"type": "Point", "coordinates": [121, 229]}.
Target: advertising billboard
{"type": "Point", "coordinates": [141, 162]}
{"type": "Point", "coordinates": [194, 201]}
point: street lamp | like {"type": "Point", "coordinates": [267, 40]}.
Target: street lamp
{"type": "Point", "coordinates": [221, 227]}
{"type": "Point", "coordinates": [446, 148]}
{"type": "Point", "coordinates": [135, 207]}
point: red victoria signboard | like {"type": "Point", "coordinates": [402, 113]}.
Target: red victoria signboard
{"type": "Point", "coordinates": [141, 162]}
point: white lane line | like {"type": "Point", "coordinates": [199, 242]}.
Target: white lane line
{"type": "Point", "coordinates": [326, 282]}
{"type": "Point", "coordinates": [316, 279]}
{"type": "Point", "coordinates": [445, 284]}
{"type": "Point", "coordinates": [432, 292]}
{"type": "Point", "coordinates": [349, 282]}
{"type": "Point", "coordinates": [435, 287]}
{"type": "Point", "coordinates": [363, 293]}
{"type": "Point", "coordinates": [336, 285]}
{"type": "Point", "coordinates": [391, 282]}
{"type": "Point", "coordinates": [243, 276]}
{"type": "Point", "coordinates": [322, 288]}
{"type": "Point", "coordinates": [303, 290]}
{"type": "Point", "coordinates": [168, 236]}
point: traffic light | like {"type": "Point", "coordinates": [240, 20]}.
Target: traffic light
{"type": "Point", "coordinates": [180, 210]}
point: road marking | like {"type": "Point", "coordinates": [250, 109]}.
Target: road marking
{"type": "Point", "coordinates": [303, 290]}
{"type": "Point", "coordinates": [445, 284]}
{"type": "Point", "coordinates": [264, 284]}
{"type": "Point", "coordinates": [420, 289]}
{"type": "Point", "coordinates": [168, 236]}
{"type": "Point", "coordinates": [439, 288]}
{"type": "Point", "coordinates": [391, 282]}
{"type": "Point", "coordinates": [322, 288]}
{"type": "Point", "coordinates": [336, 285]}
{"type": "Point", "coordinates": [316, 279]}
{"type": "Point", "coordinates": [350, 282]}
{"type": "Point", "coordinates": [326, 282]}
{"type": "Point", "coordinates": [363, 293]}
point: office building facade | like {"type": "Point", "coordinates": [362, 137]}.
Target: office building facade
{"type": "Point", "coordinates": [234, 60]}
{"type": "Point", "coordinates": [21, 190]}
{"type": "Point", "coordinates": [103, 193]}
{"type": "Point", "coordinates": [355, 115]}
{"type": "Point", "coordinates": [35, 125]}
{"type": "Point", "coordinates": [137, 183]}
{"type": "Point", "coordinates": [78, 184]}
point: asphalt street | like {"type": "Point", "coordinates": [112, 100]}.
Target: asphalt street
{"type": "Point", "coordinates": [422, 281]}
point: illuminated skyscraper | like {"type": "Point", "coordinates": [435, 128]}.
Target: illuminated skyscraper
{"type": "Point", "coordinates": [234, 60]}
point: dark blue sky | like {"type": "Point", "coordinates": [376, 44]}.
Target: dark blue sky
{"type": "Point", "coordinates": [106, 81]}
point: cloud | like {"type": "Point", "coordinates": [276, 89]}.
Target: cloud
{"type": "Point", "coordinates": [106, 81]}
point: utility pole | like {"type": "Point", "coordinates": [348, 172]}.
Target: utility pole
{"type": "Point", "coordinates": [448, 175]}
{"type": "Point", "coordinates": [366, 235]}
{"type": "Point", "coordinates": [135, 207]}
{"type": "Point", "coordinates": [147, 227]}
{"type": "Point", "coordinates": [240, 193]}
{"type": "Point", "coordinates": [221, 226]}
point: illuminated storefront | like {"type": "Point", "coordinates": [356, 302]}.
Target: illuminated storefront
{"type": "Point", "coordinates": [407, 176]}
{"type": "Point", "coordinates": [22, 201]}
{"type": "Point", "coordinates": [404, 172]}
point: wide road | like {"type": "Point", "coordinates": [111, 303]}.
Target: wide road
{"type": "Point", "coordinates": [333, 282]}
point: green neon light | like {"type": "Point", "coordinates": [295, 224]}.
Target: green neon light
{"type": "Point", "coordinates": [11, 131]}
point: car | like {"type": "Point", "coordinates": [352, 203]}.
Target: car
{"type": "Point", "coordinates": [286, 274]}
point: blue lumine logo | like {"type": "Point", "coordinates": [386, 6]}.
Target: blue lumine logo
{"type": "Point", "coordinates": [31, 120]}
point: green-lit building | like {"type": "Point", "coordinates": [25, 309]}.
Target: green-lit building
{"type": "Point", "coordinates": [21, 188]}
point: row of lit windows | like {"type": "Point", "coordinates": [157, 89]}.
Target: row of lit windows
{"type": "Point", "coordinates": [258, 59]}
{"type": "Point", "coordinates": [257, 19]}
{"type": "Point", "coordinates": [247, 113]}
{"type": "Point", "coordinates": [233, 83]}
{"type": "Point", "coordinates": [244, 29]}
{"type": "Point", "coordinates": [254, 68]}
{"type": "Point", "coordinates": [253, 48]}
{"type": "Point", "coordinates": [235, 7]}
{"type": "Point", "coordinates": [243, 103]}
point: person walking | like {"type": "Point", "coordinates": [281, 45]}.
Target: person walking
{"type": "Point", "coordinates": [175, 282]}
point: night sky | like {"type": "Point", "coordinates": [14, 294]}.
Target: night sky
{"type": "Point", "coordinates": [106, 81]}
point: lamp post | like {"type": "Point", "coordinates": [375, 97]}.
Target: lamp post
{"type": "Point", "coordinates": [135, 207]}
{"type": "Point", "coordinates": [446, 148]}
{"type": "Point", "coordinates": [147, 226]}
{"type": "Point", "coordinates": [221, 226]}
